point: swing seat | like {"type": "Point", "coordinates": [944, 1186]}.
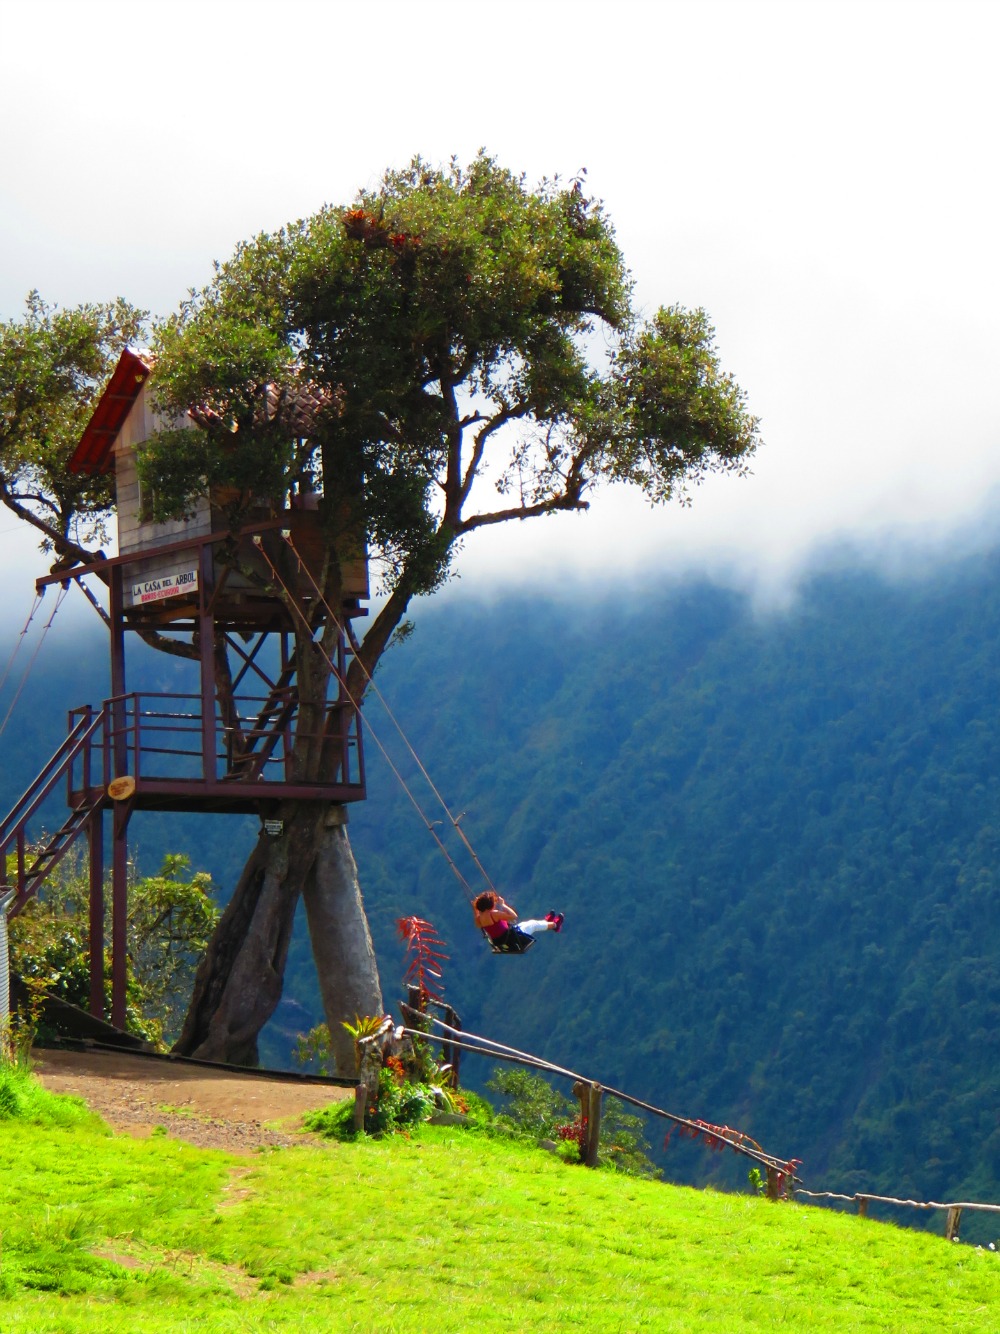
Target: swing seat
{"type": "Point", "coordinates": [517, 945]}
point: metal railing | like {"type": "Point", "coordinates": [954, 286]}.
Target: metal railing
{"type": "Point", "coordinates": [161, 739]}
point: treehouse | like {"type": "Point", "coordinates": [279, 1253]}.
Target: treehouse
{"type": "Point", "coordinates": [163, 572]}
{"type": "Point", "coordinates": [234, 609]}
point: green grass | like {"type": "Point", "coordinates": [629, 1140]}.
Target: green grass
{"type": "Point", "coordinates": [443, 1231]}
{"type": "Point", "coordinates": [22, 1098]}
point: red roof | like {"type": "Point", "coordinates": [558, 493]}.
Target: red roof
{"type": "Point", "coordinates": [93, 453]}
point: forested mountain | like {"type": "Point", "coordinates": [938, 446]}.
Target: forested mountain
{"type": "Point", "coordinates": [775, 840]}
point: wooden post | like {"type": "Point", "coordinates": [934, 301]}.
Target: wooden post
{"type": "Point", "coordinates": [416, 1001]}
{"type": "Point", "coordinates": [772, 1184]}
{"type": "Point", "coordinates": [360, 1099]}
{"type": "Point", "coordinates": [582, 1092]}
{"type": "Point", "coordinates": [95, 946]}
{"type": "Point", "coordinates": [206, 574]}
{"type": "Point", "coordinates": [862, 1205]}
{"type": "Point", "coordinates": [951, 1224]}
{"type": "Point", "coordinates": [596, 1093]}
{"type": "Point", "coordinates": [454, 1053]}
{"type": "Point", "coordinates": [119, 913]}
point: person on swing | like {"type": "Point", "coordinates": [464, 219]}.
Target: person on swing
{"type": "Point", "coordinates": [499, 921]}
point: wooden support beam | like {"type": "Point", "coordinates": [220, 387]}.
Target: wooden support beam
{"type": "Point", "coordinates": [206, 639]}
{"type": "Point", "coordinates": [360, 1099]}
{"type": "Point", "coordinates": [581, 1091]}
{"type": "Point", "coordinates": [95, 839]}
{"type": "Point", "coordinates": [952, 1223]}
{"type": "Point", "coordinates": [595, 1096]}
{"type": "Point", "coordinates": [862, 1206]}
{"type": "Point", "coordinates": [773, 1189]}
{"type": "Point", "coordinates": [119, 913]}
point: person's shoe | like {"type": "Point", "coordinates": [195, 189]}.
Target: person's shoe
{"type": "Point", "coordinates": [557, 921]}
{"type": "Point", "coordinates": [550, 917]}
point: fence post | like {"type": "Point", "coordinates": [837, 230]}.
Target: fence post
{"type": "Point", "coordinates": [360, 1099]}
{"type": "Point", "coordinates": [6, 895]}
{"type": "Point", "coordinates": [773, 1191]}
{"type": "Point", "coordinates": [581, 1091]}
{"type": "Point", "coordinates": [862, 1205]}
{"type": "Point", "coordinates": [454, 1054]}
{"type": "Point", "coordinates": [594, 1095]}
{"type": "Point", "coordinates": [951, 1224]}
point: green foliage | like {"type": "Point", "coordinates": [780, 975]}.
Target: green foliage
{"type": "Point", "coordinates": [398, 1104]}
{"type": "Point", "coordinates": [312, 1051]}
{"type": "Point", "coordinates": [169, 924]}
{"type": "Point", "coordinates": [440, 329]}
{"type": "Point", "coordinates": [170, 920]}
{"type": "Point", "coordinates": [534, 1110]}
{"type": "Point", "coordinates": [757, 1182]}
{"type": "Point", "coordinates": [53, 365]}
{"type": "Point", "coordinates": [335, 1121]}
{"type": "Point", "coordinates": [532, 1107]}
{"type": "Point", "coordinates": [479, 1113]}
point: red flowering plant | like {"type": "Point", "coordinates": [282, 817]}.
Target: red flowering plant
{"type": "Point", "coordinates": [426, 955]}
{"type": "Point", "coordinates": [575, 1131]}
{"type": "Point", "coordinates": [721, 1137]}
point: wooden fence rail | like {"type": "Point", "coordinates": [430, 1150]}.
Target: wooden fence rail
{"type": "Point", "coordinates": [862, 1200]}
{"type": "Point", "coordinates": [778, 1170]}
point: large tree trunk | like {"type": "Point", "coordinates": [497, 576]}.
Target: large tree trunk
{"type": "Point", "coordinates": [239, 981]}
{"type": "Point", "coordinates": [341, 942]}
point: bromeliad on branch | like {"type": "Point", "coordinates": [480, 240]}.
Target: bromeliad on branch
{"type": "Point", "coordinates": [426, 951]}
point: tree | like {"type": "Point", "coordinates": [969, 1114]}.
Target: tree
{"type": "Point", "coordinates": [170, 921]}
{"type": "Point", "coordinates": [473, 358]}
{"type": "Point", "coordinates": [53, 366]}
{"type": "Point", "coordinates": [470, 356]}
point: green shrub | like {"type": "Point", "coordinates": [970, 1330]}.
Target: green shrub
{"type": "Point", "coordinates": [534, 1110]}
{"type": "Point", "coordinates": [395, 1107]}
{"type": "Point", "coordinates": [335, 1121]}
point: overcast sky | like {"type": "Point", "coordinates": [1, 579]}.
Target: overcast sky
{"type": "Point", "coordinates": [819, 176]}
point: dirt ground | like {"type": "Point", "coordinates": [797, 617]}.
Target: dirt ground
{"type": "Point", "coordinates": [209, 1108]}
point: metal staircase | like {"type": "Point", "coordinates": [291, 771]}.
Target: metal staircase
{"type": "Point", "coordinates": [27, 864]}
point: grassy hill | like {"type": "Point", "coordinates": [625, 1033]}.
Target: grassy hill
{"type": "Point", "coordinates": [440, 1231]}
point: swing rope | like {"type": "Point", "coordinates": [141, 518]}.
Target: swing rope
{"type": "Point", "coordinates": [348, 631]}
{"type": "Point", "coordinates": [41, 640]}
{"type": "Point", "coordinates": [293, 601]}
{"type": "Point", "coordinates": [20, 639]}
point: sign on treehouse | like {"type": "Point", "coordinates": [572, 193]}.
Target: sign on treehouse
{"type": "Point", "coordinates": [169, 586]}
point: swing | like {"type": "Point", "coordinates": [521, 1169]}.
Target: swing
{"type": "Point", "coordinates": [515, 946]}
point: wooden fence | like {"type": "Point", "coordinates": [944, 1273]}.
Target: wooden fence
{"type": "Point", "coordinates": [779, 1172]}
{"type": "Point", "coordinates": [954, 1210]}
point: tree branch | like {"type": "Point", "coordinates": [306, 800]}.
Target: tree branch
{"type": "Point", "coordinates": [166, 645]}
{"type": "Point", "coordinates": [373, 645]}
{"type": "Point", "coordinates": [564, 501]}
{"type": "Point", "coordinates": [510, 413]}
{"type": "Point", "coordinates": [63, 545]}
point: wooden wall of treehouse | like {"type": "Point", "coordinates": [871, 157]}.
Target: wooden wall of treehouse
{"type": "Point", "coordinates": [137, 533]}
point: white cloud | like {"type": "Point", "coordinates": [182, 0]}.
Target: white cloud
{"type": "Point", "coordinates": [818, 176]}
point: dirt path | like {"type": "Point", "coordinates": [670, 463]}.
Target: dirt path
{"type": "Point", "coordinates": [208, 1108]}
